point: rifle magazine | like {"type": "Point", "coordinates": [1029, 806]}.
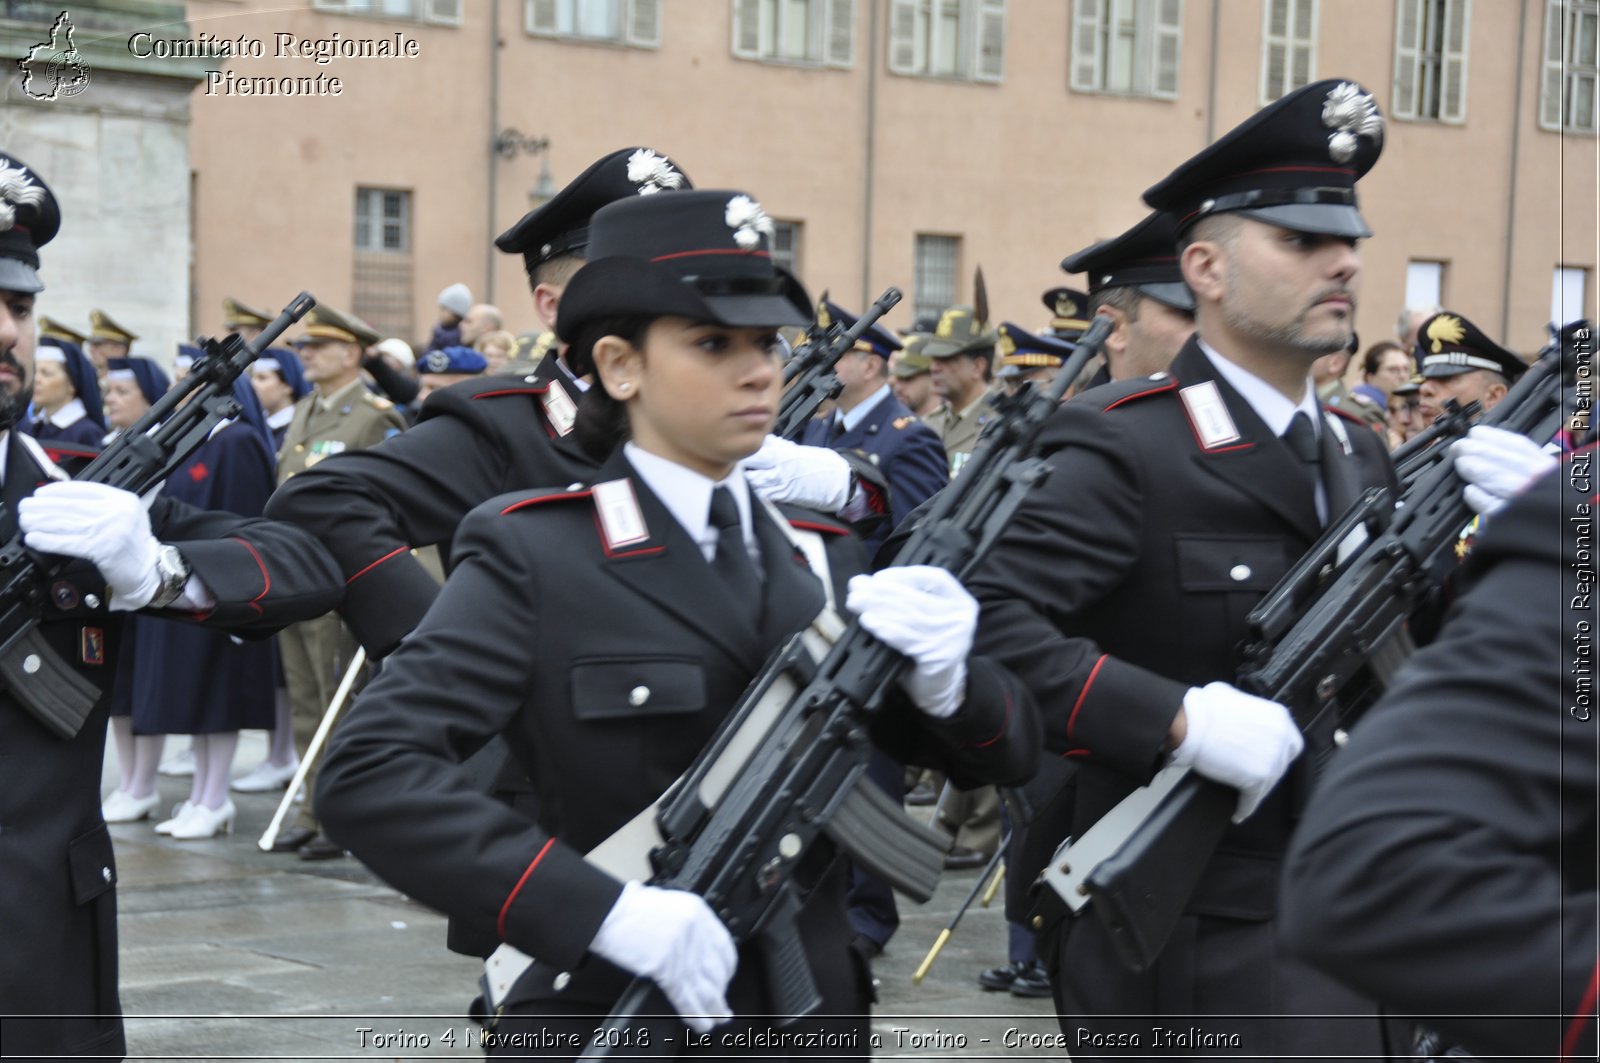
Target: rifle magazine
{"type": "Point", "coordinates": [879, 836]}
{"type": "Point", "coordinates": [47, 687]}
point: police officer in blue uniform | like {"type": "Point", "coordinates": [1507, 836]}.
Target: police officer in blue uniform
{"type": "Point", "coordinates": [868, 418]}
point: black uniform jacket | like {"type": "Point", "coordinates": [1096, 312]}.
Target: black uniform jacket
{"type": "Point", "coordinates": [1446, 865]}
{"type": "Point", "coordinates": [57, 875]}
{"type": "Point", "coordinates": [607, 669]}
{"type": "Point", "coordinates": [474, 440]}
{"type": "Point", "coordinates": [1125, 579]}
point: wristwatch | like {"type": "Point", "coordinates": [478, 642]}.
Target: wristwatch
{"type": "Point", "coordinates": [174, 572]}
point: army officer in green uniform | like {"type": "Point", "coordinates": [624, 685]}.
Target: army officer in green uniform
{"type": "Point", "coordinates": [339, 414]}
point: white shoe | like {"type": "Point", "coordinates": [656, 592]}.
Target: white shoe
{"type": "Point", "coordinates": [264, 777]}
{"type": "Point", "coordinates": [203, 822]}
{"type": "Point", "coordinates": [180, 764]}
{"type": "Point", "coordinates": [179, 811]}
{"type": "Point", "coordinates": [123, 807]}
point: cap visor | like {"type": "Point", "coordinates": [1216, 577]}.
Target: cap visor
{"type": "Point", "coordinates": [17, 276]}
{"type": "Point", "coordinates": [943, 349]}
{"type": "Point", "coordinates": [755, 311]}
{"type": "Point", "coordinates": [1439, 372]}
{"type": "Point", "coordinates": [1330, 219]}
{"type": "Point", "coordinates": [1176, 295]}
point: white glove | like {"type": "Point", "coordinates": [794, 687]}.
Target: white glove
{"type": "Point", "coordinates": [673, 938]}
{"type": "Point", "coordinates": [1498, 465]}
{"type": "Point", "coordinates": [105, 526]}
{"type": "Point", "coordinates": [1238, 739]}
{"type": "Point", "coordinates": [926, 614]}
{"type": "Point", "coordinates": [783, 471]}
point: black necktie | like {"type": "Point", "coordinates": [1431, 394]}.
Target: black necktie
{"type": "Point", "coordinates": [835, 429]}
{"type": "Point", "coordinates": [1302, 440]}
{"type": "Point", "coordinates": [732, 561]}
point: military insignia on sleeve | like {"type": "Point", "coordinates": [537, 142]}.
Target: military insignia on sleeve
{"type": "Point", "coordinates": [92, 646]}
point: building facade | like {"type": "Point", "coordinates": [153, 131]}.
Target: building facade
{"type": "Point", "coordinates": [369, 150]}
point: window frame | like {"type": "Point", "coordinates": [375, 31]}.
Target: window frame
{"type": "Point", "coordinates": [638, 23]}
{"type": "Point", "coordinates": [831, 29]}
{"type": "Point", "coordinates": [1290, 44]}
{"type": "Point", "coordinates": [1412, 61]}
{"type": "Point", "coordinates": [379, 221]}
{"type": "Point", "coordinates": [920, 304]}
{"type": "Point", "coordinates": [1557, 70]}
{"type": "Point", "coordinates": [1157, 26]}
{"type": "Point", "coordinates": [914, 38]}
{"type": "Point", "coordinates": [427, 12]}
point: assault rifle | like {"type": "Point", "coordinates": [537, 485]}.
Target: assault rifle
{"type": "Point", "coordinates": [137, 460]}
{"type": "Point", "coordinates": [788, 766]}
{"type": "Point", "coordinates": [1412, 457]}
{"type": "Point", "coordinates": [1324, 643]}
{"type": "Point", "coordinates": [809, 379]}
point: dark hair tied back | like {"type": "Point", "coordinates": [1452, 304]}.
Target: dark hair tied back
{"type": "Point", "coordinates": [602, 423]}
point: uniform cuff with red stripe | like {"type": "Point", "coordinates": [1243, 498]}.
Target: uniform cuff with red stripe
{"type": "Point", "coordinates": [1122, 715]}
{"type": "Point", "coordinates": [385, 601]}
{"type": "Point", "coordinates": [556, 906]}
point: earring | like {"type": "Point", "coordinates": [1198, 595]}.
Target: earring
{"type": "Point", "coordinates": [624, 386]}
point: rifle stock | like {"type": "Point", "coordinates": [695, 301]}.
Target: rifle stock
{"type": "Point", "coordinates": [137, 460]}
{"type": "Point", "coordinates": [1323, 646]}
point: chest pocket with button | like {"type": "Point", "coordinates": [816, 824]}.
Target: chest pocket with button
{"type": "Point", "coordinates": [1225, 576]}
{"type": "Point", "coordinates": [621, 687]}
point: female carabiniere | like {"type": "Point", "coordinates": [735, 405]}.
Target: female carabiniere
{"type": "Point", "coordinates": [607, 628]}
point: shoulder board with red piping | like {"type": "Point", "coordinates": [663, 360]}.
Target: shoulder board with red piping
{"type": "Point", "coordinates": [811, 520]}
{"type": "Point", "coordinates": [1125, 392]}
{"type": "Point", "coordinates": [1346, 414]}
{"type": "Point", "coordinates": [524, 500]}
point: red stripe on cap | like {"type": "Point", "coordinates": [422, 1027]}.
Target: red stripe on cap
{"type": "Point", "coordinates": [1073, 719]}
{"type": "Point", "coordinates": [500, 922]}
{"type": "Point", "coordinates": [392, 553]}
{"type": "Point", "coordinates": [712, 251]}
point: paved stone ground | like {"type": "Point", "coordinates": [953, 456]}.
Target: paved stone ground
{"type": "Point", "coordinates": [229, 952]}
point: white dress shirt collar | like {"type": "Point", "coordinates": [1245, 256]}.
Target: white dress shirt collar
{"type": "Point", "coordinates": [687, 496]}
{"type": "Point", "coordinates": [68, 415]}
{"type": "Point", "coordinates": [858, 413]}
{"type": "Point", "coordinates": [1270, 404]}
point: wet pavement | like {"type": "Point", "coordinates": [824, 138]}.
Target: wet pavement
{"type": "Point", "coordinates": [230, 952]}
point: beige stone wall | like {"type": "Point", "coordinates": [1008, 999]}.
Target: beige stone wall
{"type": "Point", "coordinates": [1024, 171]}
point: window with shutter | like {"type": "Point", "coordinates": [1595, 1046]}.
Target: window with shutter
{"type": "Point", "coordinates": [903, 24]}
{"type": "Point", "coordinates": [948, 38]}
{"type": "Point", "coordinates": [991, 40]}
{"type": "Point", "coordinates": [841, 33]}
{"type": "Point", "coordinates": [1128, 47]}
{"type": "Point", "coordinates": [1567, 91]}
{"type": "Point", "coordinates": [795, 31]}
{"type": "Point", "coordinates": [1288, 46]}
{"type": "Point", "coordinates": [1407, 56]}
{"type": "Point", "coordinates": [440, 12]}
{"type": "Point", "coordinates": [644, 23]}
{"type": "Point", "coordinates": [632, 22]}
